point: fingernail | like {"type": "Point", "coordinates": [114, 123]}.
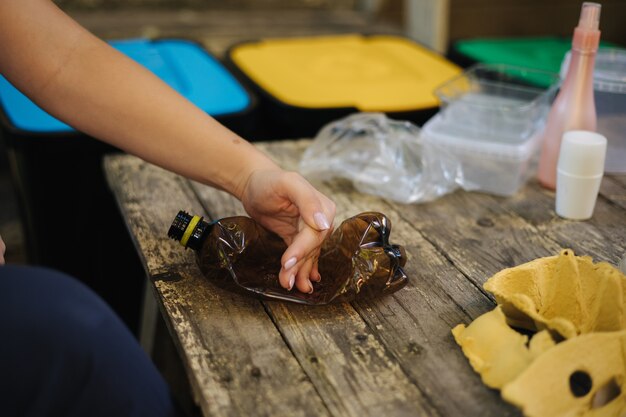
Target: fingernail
{"type": "Point", "coordinates": [310, 288]}
{"type": "Point", "coordinates": [317, 278]}
{"type": "Point", "coordinates": [321, 221]}
{"type": "Point", "coordinates": [290, 262]}
{"type": "Point", "coordinates": [292, 280]}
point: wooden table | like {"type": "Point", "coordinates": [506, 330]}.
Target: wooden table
{"type": "Point", "coordinates": [388, 357]}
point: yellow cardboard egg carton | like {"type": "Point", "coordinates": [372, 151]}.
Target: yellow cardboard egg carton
{"type": "Point", "coordinates": [573, 363]}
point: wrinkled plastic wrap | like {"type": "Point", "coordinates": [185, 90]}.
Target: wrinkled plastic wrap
{"type": "Point", "coordinates": [356, 262]}
{"type": "Point", "coordinates": [380, 156]}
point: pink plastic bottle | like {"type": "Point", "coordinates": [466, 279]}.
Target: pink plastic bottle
{"type": "Point", "coordinates": [574, 107]}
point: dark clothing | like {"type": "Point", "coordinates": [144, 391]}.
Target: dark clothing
{"type": "Point", "coordinates": [63, 352]}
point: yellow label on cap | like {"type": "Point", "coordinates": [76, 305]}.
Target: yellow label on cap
{"type": "Point", "coordinates": [189, 230]}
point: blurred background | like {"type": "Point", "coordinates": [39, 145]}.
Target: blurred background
{"type": "Point", "coordinates": [220, 24]}
{"type": "Point", "coordinates": [435, 23]}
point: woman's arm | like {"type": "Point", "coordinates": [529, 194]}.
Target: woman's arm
{"type": "Point", "coordinates": [83, 81]}
{"type": "Point", "coordinates": [98, 90]}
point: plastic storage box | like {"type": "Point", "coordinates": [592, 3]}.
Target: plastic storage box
{"type": "Point", "coordinates": [70, 218]}
{"type": "Point", "coordinates": [491, 120]}
{"type": "Point", "coordinates": [499, 103]}
{"type": "Point", "coordinates": [489, 166]}
{"type": "Point", "coordinates": [304, 83]}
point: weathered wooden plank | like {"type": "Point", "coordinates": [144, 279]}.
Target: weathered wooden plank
{"type": "Point", "coordinates": [346, 363]}
{"type": "Point", "coordinates": [406, 336]}
{"type": "Point", "coordinates": [149, 198]}
{"type": "Point", "coordinates": [620, 179]}
{"type": "Point", "coordinates": [236, 359]}
{"type": "Point", "coordinates": [414, 324]}
{"type": "Point", "coordinates": [478, 235]}
{"type": "Point", "coordinates": [603, 236]}
{"type": "Point", "coordinates": [239, 360]}
{"type": "Point", "coordinates": [613, 188]}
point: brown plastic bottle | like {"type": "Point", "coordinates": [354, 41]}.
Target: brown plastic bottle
{"type": "Point", "coordinates": [356, 261]}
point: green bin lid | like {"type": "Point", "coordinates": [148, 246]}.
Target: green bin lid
{"type": "Point", "coordinates": [541, 53]}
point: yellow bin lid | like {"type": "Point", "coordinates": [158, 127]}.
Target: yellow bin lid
{"type": "Point", "coordinates": [371, 73]}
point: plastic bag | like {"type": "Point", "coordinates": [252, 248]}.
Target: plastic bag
{"type": "Point", "coordinates": [356, 261]}
{"type": "Point", "coordinates": [381, 156]}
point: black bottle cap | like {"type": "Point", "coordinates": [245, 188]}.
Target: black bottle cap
{"type": "Point", "coordinates": [188, 230]}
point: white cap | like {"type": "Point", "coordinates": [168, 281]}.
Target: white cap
{"type": "Point", "coordinates": [582, 154]}
{"type": "Point", "coordinates": [579, 173]}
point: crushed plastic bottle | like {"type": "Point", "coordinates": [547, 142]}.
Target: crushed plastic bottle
{"type": "Point", "coordinates": [356, 262]}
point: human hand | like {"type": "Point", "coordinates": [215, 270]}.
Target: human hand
{"type": "Point", "coordinates": [2, 249]}
{"type": "Point", "coordinates": [285, 203]}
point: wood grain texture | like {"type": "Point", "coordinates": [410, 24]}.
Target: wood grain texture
{"type": "Point", "coordinates": [236, 359]}
{"type": "Point", "coordinates": [149, 198]}
{"type": "Point", "coordinates": [349, 367]}
{"type": "Point", "coordinates": [414, 324]}
{"type": "Point", "coordinates": [392, 356]}
{"type": "Point", "coordinates": [603, 236]}
{"type": "Point", "coordinates": [239, 360]}
{"type": "Point", "coordinates": [613, 188]}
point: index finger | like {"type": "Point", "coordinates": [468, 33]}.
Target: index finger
{"type": "Point", "coordinates": [305, 244]}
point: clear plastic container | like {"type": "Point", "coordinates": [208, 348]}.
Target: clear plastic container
{"type": "Point", "coordinates": [495, 167]}
{"type": "Point", "coordinates": [609, 83]}
{"type": "Point", "coordinates": [500, 103]}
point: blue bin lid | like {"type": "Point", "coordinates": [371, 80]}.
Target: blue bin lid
{"type": "Point", "coordinates": [183, 65]}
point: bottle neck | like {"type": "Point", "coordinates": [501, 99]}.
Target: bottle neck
{"type": "Point", "coordinates": [585, 41]}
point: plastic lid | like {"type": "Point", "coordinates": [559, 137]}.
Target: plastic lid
{"type": "Point", "coordinates": [582, 153]}
{"type": "Point", "coordinates": [437, 131]}
{"type": "Point", "coordinates": [184, 65]}
{"type": "Point", "coordinates": [371, 73]}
